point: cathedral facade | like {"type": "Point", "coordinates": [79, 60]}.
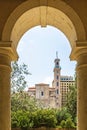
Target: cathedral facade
{"type": "Point", "coordinates": [55, 96]}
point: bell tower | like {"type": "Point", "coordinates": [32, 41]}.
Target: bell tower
{"type": "Point", "coordinates": [57, 70]}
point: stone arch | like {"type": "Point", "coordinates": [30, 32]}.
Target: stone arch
{"type": "Point", "coordinates": [44, 12]}
{"type": "Point", "coordinates": [48, 12]}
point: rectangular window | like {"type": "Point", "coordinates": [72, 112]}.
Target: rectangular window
{"type": "Point", "coordinates": [57, 77]}
{"type": "Point", "coordinates": [42, 93]}
{"type": "Point", "coordinates": [57, 91]}
{"type": "Point", "coordinates": [57, 84]}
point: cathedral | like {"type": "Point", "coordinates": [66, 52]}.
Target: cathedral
{"type": "Point", "coordinates": [55, 96]}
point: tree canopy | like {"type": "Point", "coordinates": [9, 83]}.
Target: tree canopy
{"type": "Point", "coordinates": [72, 101]}
{"type": "Point", "coordinates": [22, 101]}
{"type": "Point", "coordinates": [18, 80]}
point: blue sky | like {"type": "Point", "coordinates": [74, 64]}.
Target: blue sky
{"type": "Point", "coordinates": [37, 49]}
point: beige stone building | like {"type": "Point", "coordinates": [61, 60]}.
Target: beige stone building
{"type": "Point", "coordinates": [44, 94]}
{"type": "Point", "coordinates": [54, 96]}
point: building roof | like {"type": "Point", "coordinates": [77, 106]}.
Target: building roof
{"type": "Point", "coordinates": [31, 89]}
{"type": "Point", "coordinates": [42, 84]}
{"type": "Point", "coordinates": [66, 78]}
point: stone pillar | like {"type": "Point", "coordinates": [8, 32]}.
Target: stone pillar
{"type": "Point", "coordinates": [5, 104]}
{"type": "Point", "coordinates": [79, 54]}
{"type": "Point", "coordinates": [82, 91]}
{"type": "Point", "coordinates": [6, 55]}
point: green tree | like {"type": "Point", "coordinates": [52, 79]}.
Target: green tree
{"type": "Point", "coordinates": [72, 101]}
{"type": "Point", "coordinates": [22, 101]}
{"type": "Point", "coordinates": [18, 80]}
{"type": "Point", "coordinates": [62, 115]}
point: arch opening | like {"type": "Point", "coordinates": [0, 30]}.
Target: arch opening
{"type": "Point", "coordinates": [37, 48]}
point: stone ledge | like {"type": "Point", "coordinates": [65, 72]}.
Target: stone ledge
{"type": "Point", "coordinates": [44, 128]}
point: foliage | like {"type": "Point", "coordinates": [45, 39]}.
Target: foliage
{"type": "Point", "coordinates": [18, 82]}
{"type": "Point", "coordinates": [72, 101]}
{"type": "Point", "coordinates": [61, 115]}
{"type": "Point", "coordinates": [21, 119]}
{"type": "Point", "coordinates": [27, 114]}
{"type": "Point", "coordinates": [63, 123]}
{"type": "Point", "coordinates": [38, 118]}
{"type": "Point", "coordinates": [67, 124]}
{"type": "Point", "coordinates": [22, 101]}
{"type": "Point", "coordinates": [14, 120]}
{"type": "Point", "coordinates": [44, 117]}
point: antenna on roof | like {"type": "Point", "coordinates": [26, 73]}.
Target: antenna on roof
{"type": "Point", "coordinates": [57, 54]}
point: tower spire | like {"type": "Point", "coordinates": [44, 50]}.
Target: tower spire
{"type": "Point", "coordinates": [57, 54]}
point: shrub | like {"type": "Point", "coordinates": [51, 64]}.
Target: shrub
{"type": "Point", "coordinates": [41, 117]}
{"type": "Point", "coordinates": [63, 124]}
{"type": "Point", "coordinates": [14, 120]}
{"type": "Point", "coordinates": [44, 117]}
{"type": "Point", "coordinates": [62, 115]}
{"type": "Point", "coordinates": [21, 119]}
{"type": "Point", "coordinates": [69, 123]}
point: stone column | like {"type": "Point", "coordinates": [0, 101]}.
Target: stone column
{"type": "Point", "coordinates": [5, 104]}
{"type": "Point", "coordinates": [79, 54]}
{"type": "Point", "coordinates": [6, 55]}
{"type": "Point", "coordinates": [82, 91]}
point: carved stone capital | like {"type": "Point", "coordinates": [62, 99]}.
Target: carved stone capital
{"type": "Point", "coordinates": [7, 49]}
{"type": "Point", "coordinates": [79, 50]}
